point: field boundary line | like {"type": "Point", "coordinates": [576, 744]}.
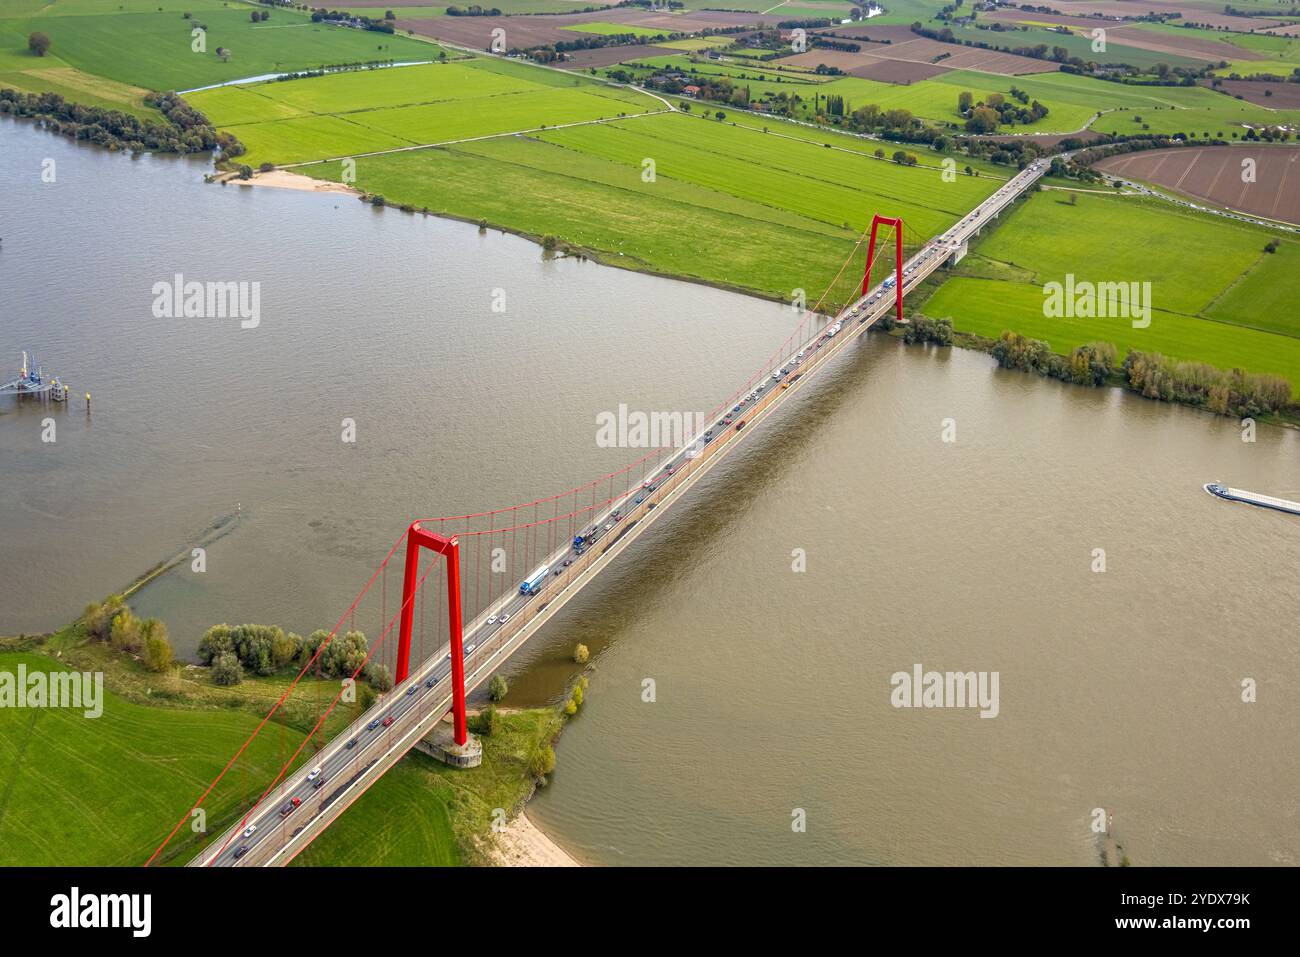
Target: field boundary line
{"type": "Point", "coordinates": [465, 139]}
{"type": "Point", "coordinates": [808, 176]}
{"type": "Point", "coordinates": [675, 201]}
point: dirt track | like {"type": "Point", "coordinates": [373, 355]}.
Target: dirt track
{"type": "Point", "coordinates": [1214, 174]}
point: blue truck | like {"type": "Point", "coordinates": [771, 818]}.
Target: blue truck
{"type": "Point", "coordinates": [533, 583]}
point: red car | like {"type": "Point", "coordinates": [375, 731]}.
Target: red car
{"type": "Point", "coordinates": [740, 425]}
{"type": "Point", "coordinates": [388, 720]}
{"type": "Point", "coordinates": [290, 807]}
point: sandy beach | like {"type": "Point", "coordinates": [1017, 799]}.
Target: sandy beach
{"type": "Point", "coordinates": [523, 845]}
{"type": "Point", "coordinates": [287, 179]}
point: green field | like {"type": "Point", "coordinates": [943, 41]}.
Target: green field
{"type": "Point", "coordinates": [694, 44]}
{"type": "Point", "coordinates": [423, 813]}
{"type": "Point", "coordinates": [736, 70]}
{"type": "Point", "coordinates": [153, 50]}
{"type": "Point", "coordinates": [1081, 46]}
{"type": "Point", "coordinates": [613, 29]}
{"type": "Point", "coordinates": [935, 99]}
{"type": "Point", "coordinates": [423, 10]}
{"type": "Point", "coordinates": [814, 182]}
{"type": "Point", "coordinates": [22, 70]}
{"type": "Point", "coordinates": [1281, 53]}
{"type": "Point", "coordinates": [729, 205]}
{"type": "Point", "coordinates": [348, 113]}
{"type": "Point", "coordinates": [1247, 68]}
{"type": "Point", "coordinates": [105, 792]}
{"type": "Point", "coordinates": [1221, 308]}
{"type": "Point", "coordinates": [1072, 101]}
{"type": "Point", "coordinates": [1265, 297]}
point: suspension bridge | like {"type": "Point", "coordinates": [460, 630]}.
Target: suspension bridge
{"type": "Point", "coordinates": [451, 570]}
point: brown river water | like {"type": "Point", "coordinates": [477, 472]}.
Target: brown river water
{"type": "Point", "coordinates": [1118, 689]}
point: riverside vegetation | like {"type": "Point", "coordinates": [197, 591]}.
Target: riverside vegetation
{"type": "Point", "coordinates": [106, 798]}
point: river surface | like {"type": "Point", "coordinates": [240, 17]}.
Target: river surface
{"type": "Point", "coordinates": [1118, 689]}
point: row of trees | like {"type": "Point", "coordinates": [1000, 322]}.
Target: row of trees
{"type": "Point", "coordinates": [1227, 392]}
{"type": "Point", "coordinates": [1233, 392]}
{"type": "Point", "coordinates": [342, 16]}
{"type": "Point", "coordinates": [186, 130]}
{"type": "Point", "coordinates": [113, 622]}
{"type": "Point", "coordinates": [1089, 364]}
{"type": "Point", "coordinates": [233, 650]}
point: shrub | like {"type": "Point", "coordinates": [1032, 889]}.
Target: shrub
{"type": "Point", "coordinates": [379, 677]}
{"type": "Point", "coordinates": [487, 721]}
{"type": "Point", "coordinates": [226, 670]}
{"type": "Point", "coordinates": [125, 633]}
{"type": "Point", "coordinates": [99, 616]}
{"type": "Point", "coordinates": [39, 44]}
{"type": "Point", "coordinates": [158, 653]}
{"type": "Point", "coordinates": [542, 762]}
{"type": "Point", "coordinates": [570, 707]}
{"type": "Point", "coordinates": [580, 653]}
{"type": "Point", "coordinates": [497, 688]}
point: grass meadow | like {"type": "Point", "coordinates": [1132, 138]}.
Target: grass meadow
{"type": "Point", "coordinates": [613, 29]}
{"type": "Point", "coordinates": [424, 813]}
{"type": "Point", "coordinates": [297, 121]}
{"type": "Point", "coordinates": [728, 205]}
{"type": "Point", "coordinates": [106, 792]}
{"type": "Point", "coordinates": [153, 49]}
{"type": "Point", "coordinates": [1217, 297]}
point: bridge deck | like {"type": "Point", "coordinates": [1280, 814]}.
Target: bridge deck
{"type": "Point", "coordinates": [417, 704]}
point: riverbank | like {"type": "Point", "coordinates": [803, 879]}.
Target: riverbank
{"type": "Point", "coordinates": [162, 733]}
{"type": "Point", "coordinates": [286, 179]}
{"type": "Point", "coordinates": [523, 844]}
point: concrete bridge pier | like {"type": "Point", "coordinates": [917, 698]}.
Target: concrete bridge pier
{"type": "Point", "coordinates": [440, 743]}
{"type": "Point", "coordinates": [957, 255]}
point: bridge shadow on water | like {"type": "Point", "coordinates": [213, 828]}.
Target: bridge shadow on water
{"type": "Point", "coordinates": [675, 547]}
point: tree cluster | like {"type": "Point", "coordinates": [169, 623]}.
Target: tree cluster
{"type": "Point", "coordinates": [186, 130]}
{"type": "Point", "coordinates": [113, 622]}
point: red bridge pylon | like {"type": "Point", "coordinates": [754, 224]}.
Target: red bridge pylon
{"type": "Point", "coordinates": [897, 224]}
{"type": "Point", "coordinates": [449, 548]}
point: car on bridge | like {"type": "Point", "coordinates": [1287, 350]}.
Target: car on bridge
{"type": "Point", "coordinates": [290, 806]}
{"type": "Point", "coordinates": [388, 720]}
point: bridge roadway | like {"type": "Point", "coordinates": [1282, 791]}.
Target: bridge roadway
{"type": "Point", "coordinates": [367, 748]}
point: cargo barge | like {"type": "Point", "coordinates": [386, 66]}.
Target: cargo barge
{"type": "Point", "coordinates": [1253, 498]}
